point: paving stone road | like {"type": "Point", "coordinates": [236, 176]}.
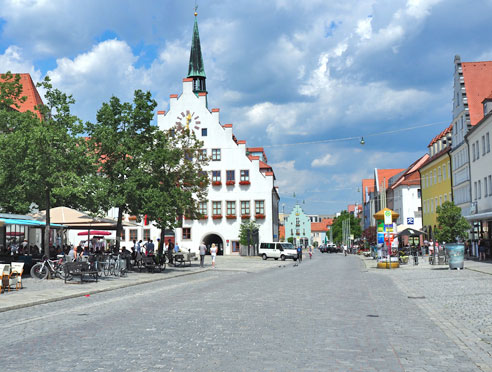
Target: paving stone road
{"type": "Point", "coordinates": [327, 314]}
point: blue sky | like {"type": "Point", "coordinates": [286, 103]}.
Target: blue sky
{"type": "Point", "coordinates": [282, 71]}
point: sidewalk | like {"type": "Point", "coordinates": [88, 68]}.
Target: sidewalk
{"type": "Point", "coordinates": [37, 292]}
{"type": "Point", "coordinates": [484, 267]}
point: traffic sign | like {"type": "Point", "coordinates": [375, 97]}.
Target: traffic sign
{"type": "Point", "coordinates": [410, 220]}
{"type": "Point", "coordinates": [387, 217]}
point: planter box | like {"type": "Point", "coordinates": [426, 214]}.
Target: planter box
{"type": "Point", "coordinates": [216, 183]}
{"type": "Point", "coordinates": [231, 217]}
{"type": "Point", "coordinates": [260, 216]}
{"type": "Point", "coordinates": [245, 216]}
{"type": "Point", "coordinates": [203, 218]}
{"type": "Point", "coordinates": [217, 217]}
{"type": "Point", "coordinates": [230, 183]}
{"type": "Point", "coordinates": [244, 183]}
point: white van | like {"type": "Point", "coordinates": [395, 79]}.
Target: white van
{"type": "Point", "coordinates": [277, 250]}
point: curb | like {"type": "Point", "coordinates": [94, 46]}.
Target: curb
{"type": "Point", "coordinates": [95, 291]}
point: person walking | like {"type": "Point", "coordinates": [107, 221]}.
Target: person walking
{"type": "Point", "coordinates": [299, 253]}
{"type": "Point", "coordinates": [310, 251]}
{"type": "Point", "coordinates": [213, 252]}
{"type": "Point", "coordinates": [170, 248]}
{"type": "Point", "coordinates": [345, 249]}
{"type": "Point", "coordinates": [203, 251]}
{"type": "Point", "coordinates": [481, 250]}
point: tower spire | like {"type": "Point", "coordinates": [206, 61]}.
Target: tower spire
{"type": "Point", "coordinates": [196, 69]}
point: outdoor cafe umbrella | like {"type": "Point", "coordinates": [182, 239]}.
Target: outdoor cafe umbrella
{"type": "Point", "coordinates": [411, 232]}
{"type": "Point", "coordinates": [94, 232]}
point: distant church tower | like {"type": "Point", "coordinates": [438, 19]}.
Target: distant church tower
{"type": "Point", "coordinates": [196, 69]}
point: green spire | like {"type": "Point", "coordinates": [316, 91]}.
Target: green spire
{"type": "Point", "coordinates": [196, 68]}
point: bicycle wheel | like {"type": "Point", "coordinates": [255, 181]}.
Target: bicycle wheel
{"type": "Point", "coordinates": [100, 270]}
{"type": "Point", "coordinates": [106, 268]}
{"type": "Point", "coordinates": [60, 272]}
{"type": "Point", "coordinates": [39, 271]}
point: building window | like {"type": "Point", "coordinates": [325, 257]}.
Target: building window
{"type": "Point", "coordinates": [235, 246]}
{"type": "Point", "coordinates": [204, 132]}
{"type": "Point", "coordinates": [485, 187]}
{"type": "Point", "coordinates": [215, 154]}
{"type": "Point", "coordinates": [146, 234]}
{"type": "Point", "coordinates": [217, 208]}
{"type": "Point", "coordinates": [475, 189]}
{"type": "Point", "coordinates": [123, 234]}
{"type": "Point", "coordinates": [440, 200]}
{"type": "Point", "coordinates": [215, 176]}
{"type": "Point", "coordinates": [490, 185]}
{"type": "Point", "coordinates": [419, 193]}
{"type": "Point", "coordinates": [439, 174]}
{"type": "Point", "coordinates": [435, 204]}
{"type": "Point", "coordinates": [245, 208]}
{"type": "Point", "coordinates": [244, 175]}
{"type": "Point", "coordinates": [443, 172]}
{"type": "Point", "coordinates": [435, 177]}
{"type": "Point", "coordinates": [230, 176]}
{"type": "Point", "coordinates": [186, 233]}
{"type": "Point", "coordinates": [231, 208]}
{"type": "Point", "coordinates": [478, 149]}
{"type": "Point", "coordinates": [480, 189]}
{"type": "Point", "coordinates": [260, 207]}
{"type": "Point", "coordinates": [445, 198]}
{"type": "Point", "coordinates": [202, 154]}
{"type": "Point", "coordinates": [483, 145]}
{"type": "Point", "coordinates": [202, 208]}
{"type": "Point", "coordinates": [133, 234]}
{"type": "Point", "coordinates": [488, 142]}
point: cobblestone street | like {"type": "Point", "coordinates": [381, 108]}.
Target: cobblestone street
{"type": "Point", "coordinates": [327, 314]}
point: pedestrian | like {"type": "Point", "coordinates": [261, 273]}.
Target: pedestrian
{"type": "Point", "coordinates": [203, 251]}
{"type": "Point", "coordinates": [150, 247]}
{"type": "Point", "coordinates": [481, 250]}
{"type": "Point", "coordinates": [176, 248]}
{"type": "Point", "coordinates": [139, 246]}
{"type": "Point", "coordinates": [213, 252]}
{"type": "Point", "coordinates": [310, 251]}
{"type": "Point", "coordinates": [170, 248]}
{"type": "Point", "coordinates": [299, 253]}
{"type": "Point", "coordinates": [345, 249]}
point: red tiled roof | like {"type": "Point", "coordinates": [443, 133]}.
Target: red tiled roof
{"type": "Point", "coordinates": [31, 93]}
{"type": "Point", "coordinates": [264, 165]}
{"type": "Point", "coordinates": [321, 226]}
{"type": "Point", "coordinates": [281, 231]}
{"type": "Point", "coordinates": [255, 149]}
{"type": "Point", "coordinates": [369, 183]}
{"type": "Point", "coordinates": [478, 83]}
{"type": "Point", "coordinates": [440, 135]}
{"type": "Point", "coordinates": [385, 174]}
{"type": "Point", "coordinates": [411, 176]}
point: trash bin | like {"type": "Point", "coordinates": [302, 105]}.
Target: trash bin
{"type": "Point", "coordinates": [456, 255]}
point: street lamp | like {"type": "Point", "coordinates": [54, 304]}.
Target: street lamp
{"type": "Point", "coordinates": [362, 142]}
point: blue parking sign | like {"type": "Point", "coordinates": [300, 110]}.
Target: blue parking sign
{"type": "Point", "coordinates": [409, 220]}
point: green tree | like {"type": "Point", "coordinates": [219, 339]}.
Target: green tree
{"type": "Point", "coordinates": [10, 91]}
{"type": "Point", "coordinates": [337, 229]}
{"type": "Point", "coordinates": [43, 161]}
{"type": "Point", "coordinates": [120, 139]}
{"type": "Point", "coordinates": [246, 230]}
{"type": "Point", "coordinates": [452, 226]}
{"type": "Point", "coordinates": [176, 182]}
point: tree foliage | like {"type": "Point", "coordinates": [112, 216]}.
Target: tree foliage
{"type": "Point", "coordinates": [246, 230]}
{"type": "Point", "coordinates": [43, 161]}
{"type": "Point", "coordinates": [452, 226]}
{"type": "Point", "coordinates": [355, 228]}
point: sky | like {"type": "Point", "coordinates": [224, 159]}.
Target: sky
{"type": "Point", "coordinates": [305, 79]}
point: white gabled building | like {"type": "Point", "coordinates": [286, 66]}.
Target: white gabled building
{"type": "Point", "coordinates": [242, 183]}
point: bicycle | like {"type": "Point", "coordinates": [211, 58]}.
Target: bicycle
{"type": "Point", "coordinates": [52, 267]}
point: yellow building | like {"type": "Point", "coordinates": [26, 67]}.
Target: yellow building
{"type": "Point", "coordinates": [435, 180]}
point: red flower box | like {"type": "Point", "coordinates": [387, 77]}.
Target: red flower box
{"type": "Point", "coordinates": [203, 217]}
{"type": "Point", "coordinates": [230, 183]}
{"type": "Point", "coordinates": [231, 216]}
{"type": "Point", "coordinates": [216, 183]}
{"type": "Point", "coordinates": [217, 216]}
{"type": "Point", "coordinates": [245, 216]}
{"type": "Point", "coordinates": [259, 216]}
{"type": "Point", "coordinates": [244, 182]}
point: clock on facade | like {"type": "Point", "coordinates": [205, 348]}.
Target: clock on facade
{"type": "Point", "coordinates": [187, 119]}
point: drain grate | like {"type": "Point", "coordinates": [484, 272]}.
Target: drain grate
{"type": "Point", "coordinates": [416, 297]}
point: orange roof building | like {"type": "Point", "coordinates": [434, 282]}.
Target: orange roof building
{"type": "Point", "coordinates": [29, 91]}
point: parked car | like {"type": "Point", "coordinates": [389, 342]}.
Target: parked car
{"type": "Point", "coordinates": [332, 248]}
{"type": "Point", "coordinates": [277, 250]}
{"type": "Point", "coordinates": [323, 248]}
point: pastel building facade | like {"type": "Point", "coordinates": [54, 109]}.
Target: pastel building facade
{"type": "Point", "coordinates": [298, 227]}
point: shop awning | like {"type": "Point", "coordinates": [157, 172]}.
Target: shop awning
{"type": "Point", "coordinates": [479, 216]}
{"type": "Point", "coordinates": [16, 221]}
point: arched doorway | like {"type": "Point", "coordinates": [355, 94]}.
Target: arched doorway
{"type": "Point", "coordinates": [214, 239]}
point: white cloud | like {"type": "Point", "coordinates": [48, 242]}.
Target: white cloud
{"type": "Point", "coordinates": [420, 8]}
{"type": "Point", "coordinates": [13, 60]}
{"type": "Point", "coordinates": [290, 179]}
{"type": "Point", "coordinates": [364, 28]}
{"type": "Point", "coordinates": [325, 161]}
